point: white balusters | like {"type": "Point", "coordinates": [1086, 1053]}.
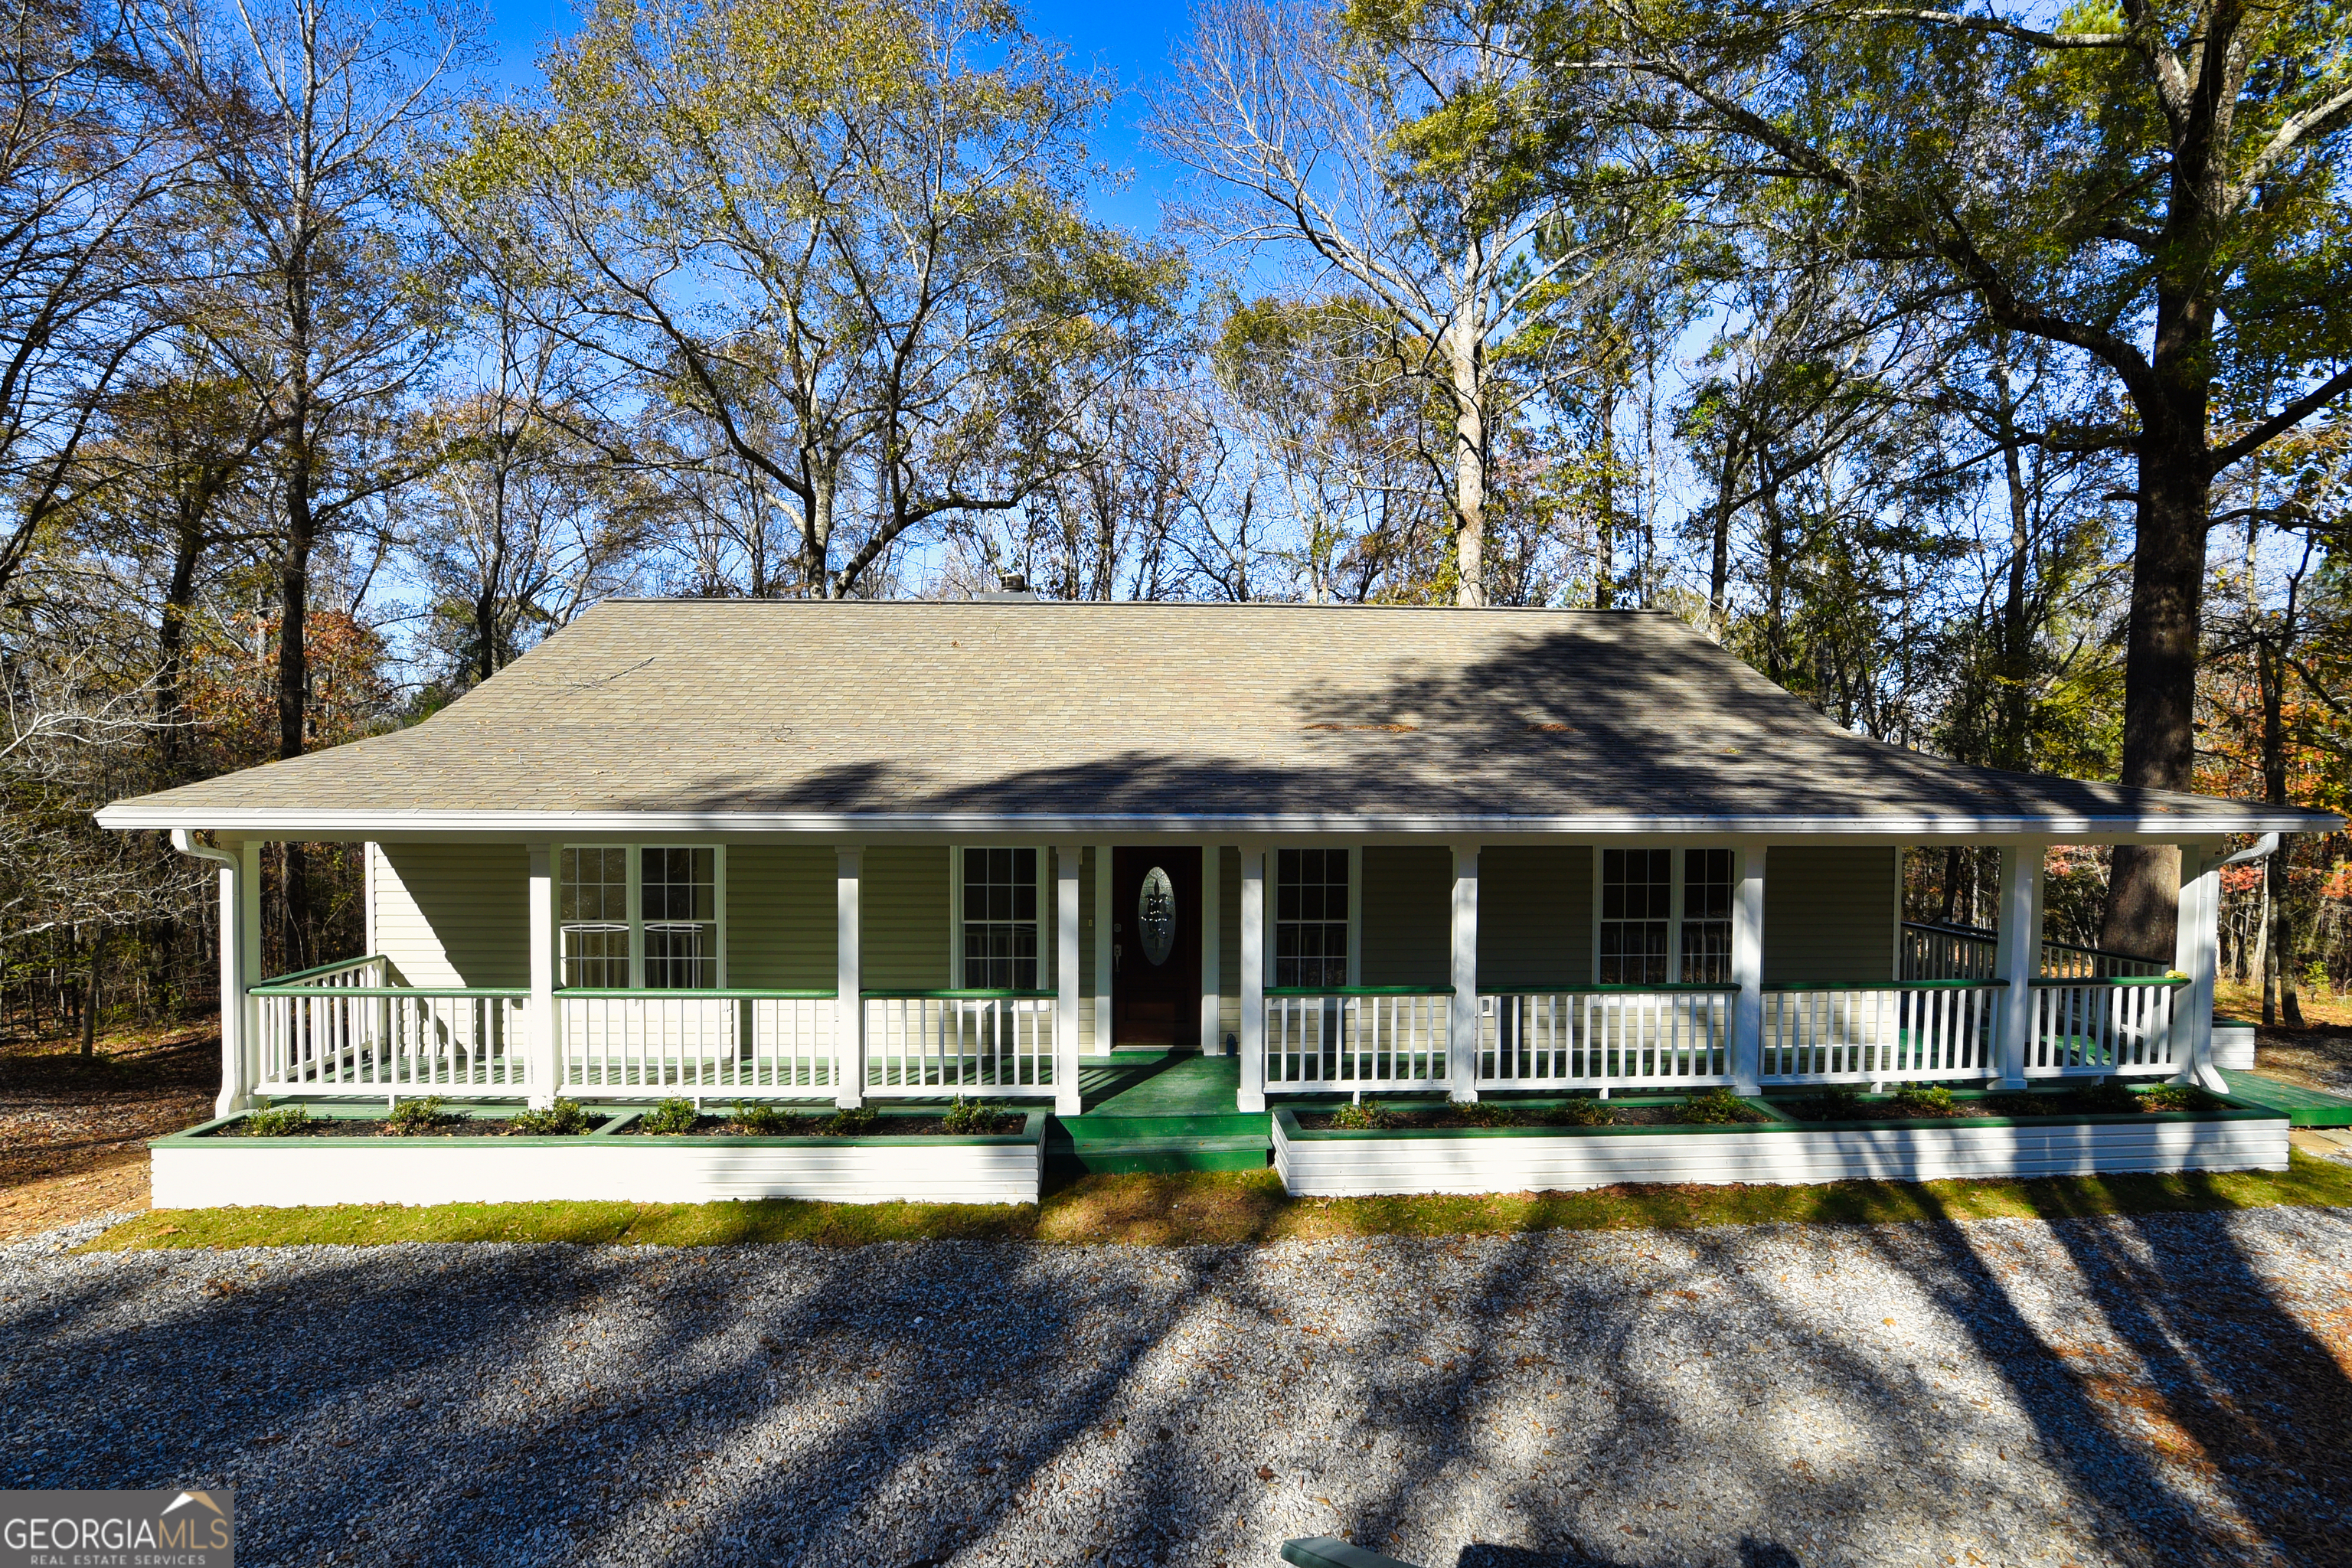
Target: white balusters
{"type": "Point", "coordinates": [739, 1043]}
{"type": "Point", "coordinates": [1357, 1039]}
{"type": "Point", "coordinates": [933, 1045]}
{"type": "Point", "coordinates": [1876, 1033]}
{"type": "Point", "coordinates": [2097, 1028]}
{"type": "Point", "coordinates": [1676, 1038]}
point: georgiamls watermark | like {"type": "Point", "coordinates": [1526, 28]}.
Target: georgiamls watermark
{"type": "Point", "coordinates": [170, 1528]}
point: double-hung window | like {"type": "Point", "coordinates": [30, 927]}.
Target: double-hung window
{"type": "Point", "coordinates": [1637, 905]}
{"type": "Point", "coordinates": [640, 916]}
{"type": "Point", "coordinates": [1665, 916]}
{"type": "Point", "coordinates": [1706, 917]}
{"type": "Point", "coordinates": [1000, 919]}
{"type": "Point", "coordinates": [1310, 921]}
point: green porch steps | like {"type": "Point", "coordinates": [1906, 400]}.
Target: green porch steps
{"type": "Point", "coordinates": [1160, 1111]}
{"type": "Point", "coordinates": [2304, 1107]}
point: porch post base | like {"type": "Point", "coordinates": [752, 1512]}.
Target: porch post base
{"type": "Point", "coordinates": [2012, 1085]}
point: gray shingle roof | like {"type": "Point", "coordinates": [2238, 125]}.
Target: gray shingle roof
{"type": "Point", "coordinates": [730, 712]}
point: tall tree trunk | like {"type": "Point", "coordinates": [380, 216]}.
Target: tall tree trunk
{"type": "Point", "coordinates": [2168, 588]}
{"type": "Point", "coordinates": [1463, 349]}
{"type": "Point", "coordinates": [1604, 514]}
{"type": "Point", "coordinates": [1718, 583]}
{"type": "Point", "coordinates": [170, 649]}
{"type": "Point", "coordinates": [89, 992]}
{"type": "Point", "coordinates": [2009, 745]}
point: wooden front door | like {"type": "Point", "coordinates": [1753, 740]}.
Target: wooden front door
{"type": "Point", "coordinates": [1155, 946]}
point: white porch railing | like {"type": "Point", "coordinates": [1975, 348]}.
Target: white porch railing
{"type": "Point", "coordinates": [922, 1045]}
{"type": "Point", "coordinates": [1606, 1038]}
{"type": "Point", "coordinates": [1877, 1033]}
{"type": "Point", "coordinates": [2097, 1028]}
{"type": "Point", "coordinates": [1381, 1038]}
{"type": "Point", "coordinates": [1966, 952]}
{"type": "Point", "coordinates": [741, 1043]}
{"type": "Point", "coordinates": [319, 1038]}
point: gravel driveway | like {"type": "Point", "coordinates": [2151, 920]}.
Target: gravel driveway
{"type": "Point", "coordinates": [2152, 1390]}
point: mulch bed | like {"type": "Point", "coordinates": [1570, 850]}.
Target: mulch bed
{"type": "Point", "coordinates": [2016, 1106]}
{"type": "Point", "coordinates": [818, 1127]}
{"type": "Point", "coordinates": [453, 1126]}
{"type": "Point", "coordinates": [1468, 1117]}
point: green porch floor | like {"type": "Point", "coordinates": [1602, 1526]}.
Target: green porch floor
{"type": "Point", "coordinates": [1160, 1111]}
{"type": "Point", "coordinates": [2304, 1107]}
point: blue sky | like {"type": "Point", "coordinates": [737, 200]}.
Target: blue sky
{"type": "Point", "coordinates": [1131, 42]}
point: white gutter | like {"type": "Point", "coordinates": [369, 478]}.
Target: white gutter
{"type": "Point", "coordinates": [2262, 851]}
{"type": "Point", "coordinates": [183, 841]}
{"type": "Point", "coordinates": [2156, 827]}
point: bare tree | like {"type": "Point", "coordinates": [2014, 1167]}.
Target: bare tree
{"type": "Point", "coordinates": [1299, 131]}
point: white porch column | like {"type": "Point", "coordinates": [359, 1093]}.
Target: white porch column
{"type": "Point", "coordinates": [2196, 948]}
{"type": "Point", "coordinates": [848, 1005]}
{"type": "Point", "coordinates": [1461, 1016]}
{"type": "Point", "coordinates": [240, 965]}
{"type": "Point", "coordinates": [546, 1055]}
{"type": "Point", "coordinates": [2017, 957]}
{"type": "Point", "coordinates": [1105, 983]}
{"type": "Point", "coordinates": [1252, 1093]}
{"type": "Point", "coordinates": [1065, 980]}
{"type": "Point", "coordinates": [1748, 967]}
{"type": "Point", "coordinates": [1213, 900]}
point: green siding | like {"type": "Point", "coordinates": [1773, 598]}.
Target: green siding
{"type": "Point", "coordinates": [781, 919]}
{"type": "Point", "coordinates": [1535, 916]}
{"type": "Point", "coordinates": [454, 914]}
{"type": "Point", "coordinates": [1408, 917]}
{"type": "Point", "coordinates": [903, 899]}
{"type": "Point", "coordinates": [1829, 914]}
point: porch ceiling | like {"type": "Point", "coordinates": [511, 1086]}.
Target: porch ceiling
{"type": "Point", "coordinates": [880, 717]}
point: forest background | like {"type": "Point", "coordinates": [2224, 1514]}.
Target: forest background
{"type": "Point", "coordinates": [1978, 374]}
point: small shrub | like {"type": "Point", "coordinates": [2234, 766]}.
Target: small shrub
{"type": "Point", "coordinates": [2181, 1096]}
{"type": "Point", "coordinates": [2019, 1104]}
{"type": "Point", "coordinates": [971, 1116]}
{"type": "Point", "coordinates": [2108, 1099]}
{"type": "Point", "coordinates": [1486, 1114]}
{"type": "Point", "coordinates": [416, 1117]}
{"type": "Point", "coordinates": [861, 1121]}
{"type": "Point", "coordinates": [1836, 1105]}
{"type": "Point", "coordinates": [669, 1118]}
{"type": "Point", "coordinates": [1362, 1118]}
{"type": "Point", "coordinates": [1713, 1109]}
{"type": "Point", "coordinates": [1927, 1100]}
{"type": "Point", "coordinates": [273, 1121]}
{"type": "Point", "coordinates": [564, 1119]}
{"type": "Point", "coordinates": [763, 1121]}
{"type": "Point", "coordinates": [1581, 1112]}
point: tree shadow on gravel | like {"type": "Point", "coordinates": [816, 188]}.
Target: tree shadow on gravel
{"type": "Point", "coordinates": [2235, 1374]}
{"type": "Point", "coordinates": [788, 1405]}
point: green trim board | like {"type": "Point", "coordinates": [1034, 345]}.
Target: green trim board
{"type": "Point", "coordinates": [2304, 1107]}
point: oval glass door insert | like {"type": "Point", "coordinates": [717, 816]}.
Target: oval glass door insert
{"type": "Point", "coordinates": [1155, 916]}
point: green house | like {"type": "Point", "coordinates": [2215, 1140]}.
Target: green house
{"type": "Point", "coordinates": [874, 851]}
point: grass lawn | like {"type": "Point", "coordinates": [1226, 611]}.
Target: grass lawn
{"type": "Point", "coordinates": [1217, 1208]}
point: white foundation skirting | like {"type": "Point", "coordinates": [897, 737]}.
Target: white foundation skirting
{"type": "Point", "coordinates": [1362, 1165]}
{"type": "Point", "coordinates": [207, 1173]}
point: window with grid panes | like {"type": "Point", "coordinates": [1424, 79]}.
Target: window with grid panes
{"type": "Point", "coordinates": [1706, 917]}
{"type": "Point", "coordinates": [1000, 919]}
{"type": "Point", "coordinates": [1311, 924]}
{"type": "Point", "coordinates": [1637, 903]}
{"type": "Point", "coordinates": [594, 913]}
{"type": "Point", "coordinates": [677, 896]}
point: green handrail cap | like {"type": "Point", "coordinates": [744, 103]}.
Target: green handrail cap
{"type": "Point", "coordinates": [1330, 1552]}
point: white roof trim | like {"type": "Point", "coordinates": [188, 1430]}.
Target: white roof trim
{"type": "Point", "coordinates": [2159, 828]}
